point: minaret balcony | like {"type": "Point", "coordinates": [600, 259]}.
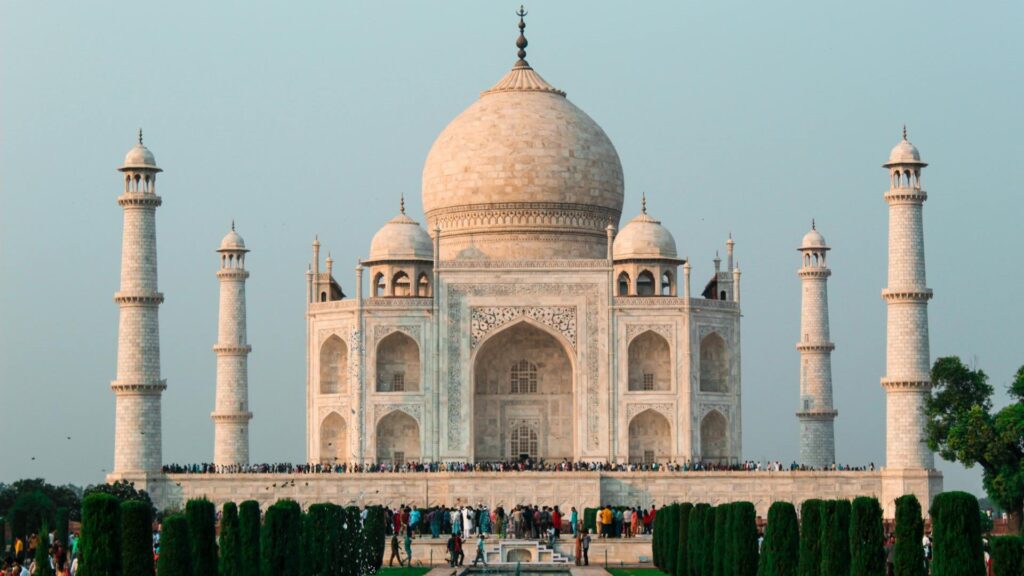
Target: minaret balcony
{"type": "Point", "coordinates": [139, 200]}
{"type": "Point", "coordinates": [895, 295]}
{"type": "Point", "coordinates": [139, 298]}
{"type": "Point", "coordinates": [231, 417]}
{"type": "Point", "coordinates": [815, 346]}
{"type": "Point", "coordinates": [905, 385]}
{"type": "Point", "coordinates": [152, 387]}
{"type": "Point", "coordinates": [817, 414]}
{"type": "Point", "coordinates": [232, 349]}
{"type": "Point", "coordinates": [906, 196]}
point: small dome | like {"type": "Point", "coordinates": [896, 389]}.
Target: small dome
{"type": "Point", "coordinates": [904, 153]}
{"type": "Point", "coordinates": [232, 241]}
{"type": "Point", "coordinates": [139, 156]}
{"type": "Point", "coordinates": [813, 239]}
{"type": "Point", "coordinates": [401, 238]}
{"type": "Point", "coordinates": [644, 238]}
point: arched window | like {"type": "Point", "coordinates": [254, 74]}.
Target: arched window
{"type": "Point", "coordinates": [714, 364]}
{"type": "Point", "coordinates": [398, 364]}
{"type": "Point", "coordinates": [333, 366]}
{"type": "Point", "coordinates": [423, 286]}
{"type": "Point", "coordinates": [721, 295]}
{"type": "Point", "coordinates": [523, 377]}
{"type": "Point", "coordinates": [623, 284]}
{"type": "Point", "coordinates": [333, 440]}
{"type": "Point", "coordinates": [645, 284]}
{"type": "Point", "coordinates": [378, 285]}
{"type": "Point", "coordinates": [323, 296]}
{"type": "Point", "coordinates": [666, 283]}
{"type": "Point", "coordinates": [650, 363]}
{"type": "Point", "coordinates": [714, 439]}
{"type": "Point", "coordinates": [401, 285]}
{"type": "Point", "coordinates": [524, 441]}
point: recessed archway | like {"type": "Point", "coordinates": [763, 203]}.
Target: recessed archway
{"type": "Point", "coordinates": [650, 438]}
{"type": "Point", "coordinates": [714, 364]}
{"type": "Point", "coordinates": [650, 363]}
{"type": "Point", "coordinates": [333, 440]}
{"type": "Point", "coordinates": [398, 439]}
{"type": "Point", "coordinates": [714, 438]}
{"type": "Point", "coordinates": [522, 384]}
{"type": "Point", "coordinates": [333, 366]}
{"type": "Point", "coordinates": [398, 364]}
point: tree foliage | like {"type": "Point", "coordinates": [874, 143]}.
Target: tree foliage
{"type": "Point", "coordinates": [100, 544]}
{"type": "Point", "coordinates": [354, 562]}
{"type": "Point", "coordinates": [249, 537]}
{"type": "Point", "coordinates": [682, 543]}
{"type": "Point", "coordinates": [1008, 556]}
{"type": "Point", "coordinates": [810, 537]}
{"type": "Point", "coordinates": [30, 511]}
{"type": "Point", "coordinates": [42, 553]}
{"type": "Point", "coordinates": [908, 555]}
{"type": "Point", "coordinates": [175, 547]}
{"type": "Point", "coordinates": [708, 554]}
{"type": "Point", "coordinates": [63, 517]}
{"type": "Point", "coordinates": [956, 536]}
{"type": "Point", "coordinates": [136, 538]}
{"type": "Point", "coordinates": [695, 537]}
{"type": "Point", "coordinates": [229, 551]}
{"type": "Point", "coordinates": [962, 427]}
{"type": "Point", "coordinates": [744, 539]}
{"type": "Point", "coordinates": [281, 542]}
{"type": "Point", "coordinates": [202, 532]}
{"type": "Point", "coordinates": [780, 553]}
{"type": "Point", "coordinates": [835, 538]}
{"type": "Point", "coordinates": [375, 531]}
{"type": "Point", "coordinates": [867, 540]}
{"type": "Point", "coordinates": [721, 539]}
{"type": "Point", "coordinates": [68, 496]}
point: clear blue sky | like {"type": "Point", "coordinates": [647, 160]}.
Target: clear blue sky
{"type": "Point", "coordinates": [313, 118]}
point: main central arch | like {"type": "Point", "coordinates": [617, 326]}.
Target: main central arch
{"type": "Point", "coordinates": [522, 396]}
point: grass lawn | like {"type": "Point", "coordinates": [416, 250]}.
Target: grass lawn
{"type": "Point", "coordinates": [405, 571]}
{"type": "Point", "coordinates": [635, 571]}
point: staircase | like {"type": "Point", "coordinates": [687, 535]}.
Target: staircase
{"type": "Point", "coordinates": [522, 551]}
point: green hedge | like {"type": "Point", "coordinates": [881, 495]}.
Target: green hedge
{"type": "Point", "coordinates": [249, 537]}
{"type": "Point", "coordinates": [590, 520]}
{"type": "Point", "coordinates": [353, 527]}
{"type": "Point", "coordinates": [1007, 556]}
{"type": "Point", "coordinates": [175, 547]}
{"type": "Point", "coordinates": [696, 536]}
{"type": "Point", "coordinates": [908, 554]}
{"type": "Point", "coordinates": [281, 541]}
{"type": "Point", "coordinates": [42, 559]}
{"type": "Point", "coordinates": [810, 538]}
{"type": "Point", "coordinates": [744, 539]}
{"type": "Point", "coordinates": [61, 529]}
{"type": "Point", "coordinates": [202, 531]}
{"type": "Point", "coordinates": [657, 541]}
{"type": "Point", "coordinates": [29, 511]}
{"type": "Point", "coordinates": [100, 544]}
{"type": "Point", "coordinates": [956, 536]}
{"type": "Point", "coordinates": [707, 555]}
{"type": "Point", "coordinates": [375, 531]}
{"type": "Point", "coordinates": [722, 531]}
{"type": "Point", "coordinates": [136, 538]}
{"type": "Point", "coordinates": [682, 543]}
{"type": "Point", "coordinates": [867, 541]}
{"type": "Point", "coordinates": [230, 549]}
{"type": "Point", "coordinates": [780, 553]}
{"type": "Point", "coordinates": [835, 538]}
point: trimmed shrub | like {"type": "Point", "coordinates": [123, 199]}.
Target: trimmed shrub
{"type": "Point", "coordinates": [322, 539]}
{"type": "Point", "coordinates": [744, 539]}
{"type": "Point", "coordinates": [100, 545]}
{"type": "Point", "coordinates": [683, 511]}
{"type": "Point", "coordinates": [375, 532]}
{"type": "Point", "coordinates": [136, 538]}
{"type": "Point", "coordinates": [695, 540]}
{"type": "Point", "coordinates": [707, 559]}
{"type": "Point", "coordinates": [3, 535]}
{"type": "Point", "coordinates": [281, 541]}
{"type": "Point", "coordinates": [908, 554]}
{"type": "Point", "coordinates": [810, 538]}
{"type": "Point", "coordinates": [835, 538]}
{"type": "Point", "coordinates": [780, 553]}
{"type": "Point", "coordinates": [63, 518]}
{"type": "Point", "coordinates": [42, 553]}
{"type": "Point", "coordinates": [29, 511]}
{"type": "Point", "coordinates": [202, 531]}
{"type": "Point", "coordinates": [249, 537]}
{"type": "Point", "coordinates": [1007, 556]}
{"type": "Point", "coordinates": [867, 541]}
{"type": "Point", "coordinates": [721, 539]}
{"type": "Point", "coordinates": [175, 547]}
{"type": "Point", "coordinates": [658, 540]}
{"type": "Point", "coordinates": [671, 537]}
{"type": "Point", "coordinates": [590, 519]}
{"type": "Point", "coordinates": [956, 536]}
{"type": "Point", "coordinates": [352, 534]}
{"type": "Point", "coordinates": [230, 549]}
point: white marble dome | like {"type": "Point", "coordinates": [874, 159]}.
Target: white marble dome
{"type": "Point", "coordinates": [139, 157]}
{"type": "Point", "coordinates": [401, 238]}
{"type": "Point", "coordinates": [813, 239]}
{"type": "Point", "coordinates": [232, 241]}
{"type": "Point", "coordinates": [904, 153]}
{"type": "Point", "coordinates": [523, 170]}
{"type": "Point", "coordinates": [644, 238]}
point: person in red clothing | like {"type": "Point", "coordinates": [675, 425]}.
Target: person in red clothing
{"type": "Point", "coordinates": [396, 520]}
{"type": "Point", "coordinates": [405, 517]}
{"type": "Point", "coordinates": [556, 520]}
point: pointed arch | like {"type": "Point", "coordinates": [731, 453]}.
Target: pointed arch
{"type": "Point", "coordinates": [650, 438]}
{"type": "Point", "coordinates": [423, 286]}
{"type": "Point", "coordinates": [668, 287]}
{"type": "Point", "coordinates": [401, 285]}
{"type": "Point", "coordinates": [398, 438]}
{"type": "Point", "coordinates": [649, 363]}
{"type": "Point", "coordinates": [623, 284]}
{"type": "Point", "coordinates": [333, 440]}
{"type": "Point", "coordinates": [334, 366]}
{"type": "Point", "coordinates": [379, 287]}
{"type": "Point", "coordinates": [398, 363]}
{"type": "Point", "coordinates": [645, 283]}
{"type": "Point", "coordinates": [714, 364]}
{"type": "Point", "coordinates": [714, 438]}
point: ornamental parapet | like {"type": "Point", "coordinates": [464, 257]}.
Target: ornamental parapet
{"type": "Point", "coordinates": [139, 298]}
{"type": "Point", "coordinates": [815, 346]}
{"type": "Point", "coordinates": [146, 388]}
{"type": "Point", "coordinates": [232, 417]}
{"type": "Point", "coordinates": [557, 265]}
{"type": "Point", "coordinates": [233, 274]}
{"type": "Point", "coordinates": [906, 385]}
{"type": "Point", "coordinates": [232, 349]}
{"type": "Point", "coordinates": [674, 302]}
{"type": "Point", "coordinates": [820, 414]}
{"type": "Point", "coordinates": [906, 196]}
{"type": "Point", "coordinates": [814, 272]}
{"type": "Point", "coordinates": [398, 302]}
{"type": "Point", "coordinates": [131, 200]}
{"type": "Point", "coordinates": [907, 294]}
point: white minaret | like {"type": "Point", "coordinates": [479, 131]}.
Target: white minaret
{"type": "Point", "coordinates": [138, 387]}
{"type": "Point", "coordinates": [231, 412]}
{"type": "Point", "coordinates": [907, 362]}
{"type": "Point", "coordinates": [816, 414]}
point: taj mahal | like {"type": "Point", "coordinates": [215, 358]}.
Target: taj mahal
{"type": "Point", "coordinates": [524, 316]}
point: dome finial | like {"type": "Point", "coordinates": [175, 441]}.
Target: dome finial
{"type": "Point", "coordinates": [401, 203]}
{"type": "Point", "coordinates": [232, 224]}
{"type": "Point", "coordinates": [904, 131]}
{"type": "Point", "coordinates": [813, 226]}
{"type": "Point", "coordinates": [521, 42]}
{"type": "Point", "coordinates": [643, 202]}
{"type": "Point", "coordinates": [140, 136]}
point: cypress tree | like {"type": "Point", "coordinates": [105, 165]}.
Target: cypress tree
{"type": "Point", "coordinates": [230, 549]}
{"type": "Point", "coordinates": [780, 553]}
{"type": "Point", "coordinates": [136, 538]}
{"type": "Point", "coordinates": [835, 538]}
{"type": "Point", "coordinates": [683, 539]}
{"type": "Point", "coordinates": [956, 535]}
{"type": "Point", "coordinates": [744, 537]}
{"type": "Point", "coordinates": [202, 531]}
{"type": "Point", "coordinates": [721, 539]}
{"type": "Point", "coordinates": [707, 567]}
{"type": "Point", "coordinates": [43, 552]}
{"type": "Point", "coordinates": [1007, 556]}
{"type": "Point", "coordinates": [375, 532]}
{"type": "Point", "coordinates": [175, 547]}
{"type": "Point", "coordinates": [658, 540]}
{"type": "Point", "coordinates": [695, 540]}
{"type": "Point", "coordinates": [249, 537]}
{"type": "Point", "coordinates": [61, 528]}
{"type": "Point", "coordinates": [281, 541]}
{"type": "Point", "coordinates": [810, 538]}
{"type": "Point", "coordinates": [867, 542]}
{"type": "Point", "coordinates": [908, 554]}
{"type": "Point", "coordinates": [352, 535]}
{"type": "Point", "coordinates": [3, 535]}
{"type": "Point", "coordinates": [100, 545]}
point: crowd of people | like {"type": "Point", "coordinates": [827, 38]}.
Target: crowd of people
{"type": "Point", "coordinates": [21, 556]}
{"type": "Point", "coordinates": [524, 465]}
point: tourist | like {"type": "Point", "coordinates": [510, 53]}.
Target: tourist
{"type": "Point", "coordinates": [408, 547]}
{"type": "Point", "coordinates": [456, 520]}
{"type": "Point", "coordinates": [606, 522]}
{"type": "Point", "coordinates": [586, 548]}
{"type": "Point", "coordinates": [617, 523]}
{"type": "Point", "coordinates": [395, 551]}
{"type": "Point", "coordinates": [556, 520]}
{"type": "Point", "coordinates": [460, 556]}
{"type": "Point", "coordinates": [635, 528]}
{"type": "Point", "coordinates": [574, 518]}
{"type": "Point", "coordinates": [414, 518]}
{"type": "Point", "coordinates": [450, 547]}
{"type": "Point", "coordinates": [627, 523]}
{"type": "Point", "coordinates": [480, 555]}
{"type": "Point", "coordinates": [19, 570]}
